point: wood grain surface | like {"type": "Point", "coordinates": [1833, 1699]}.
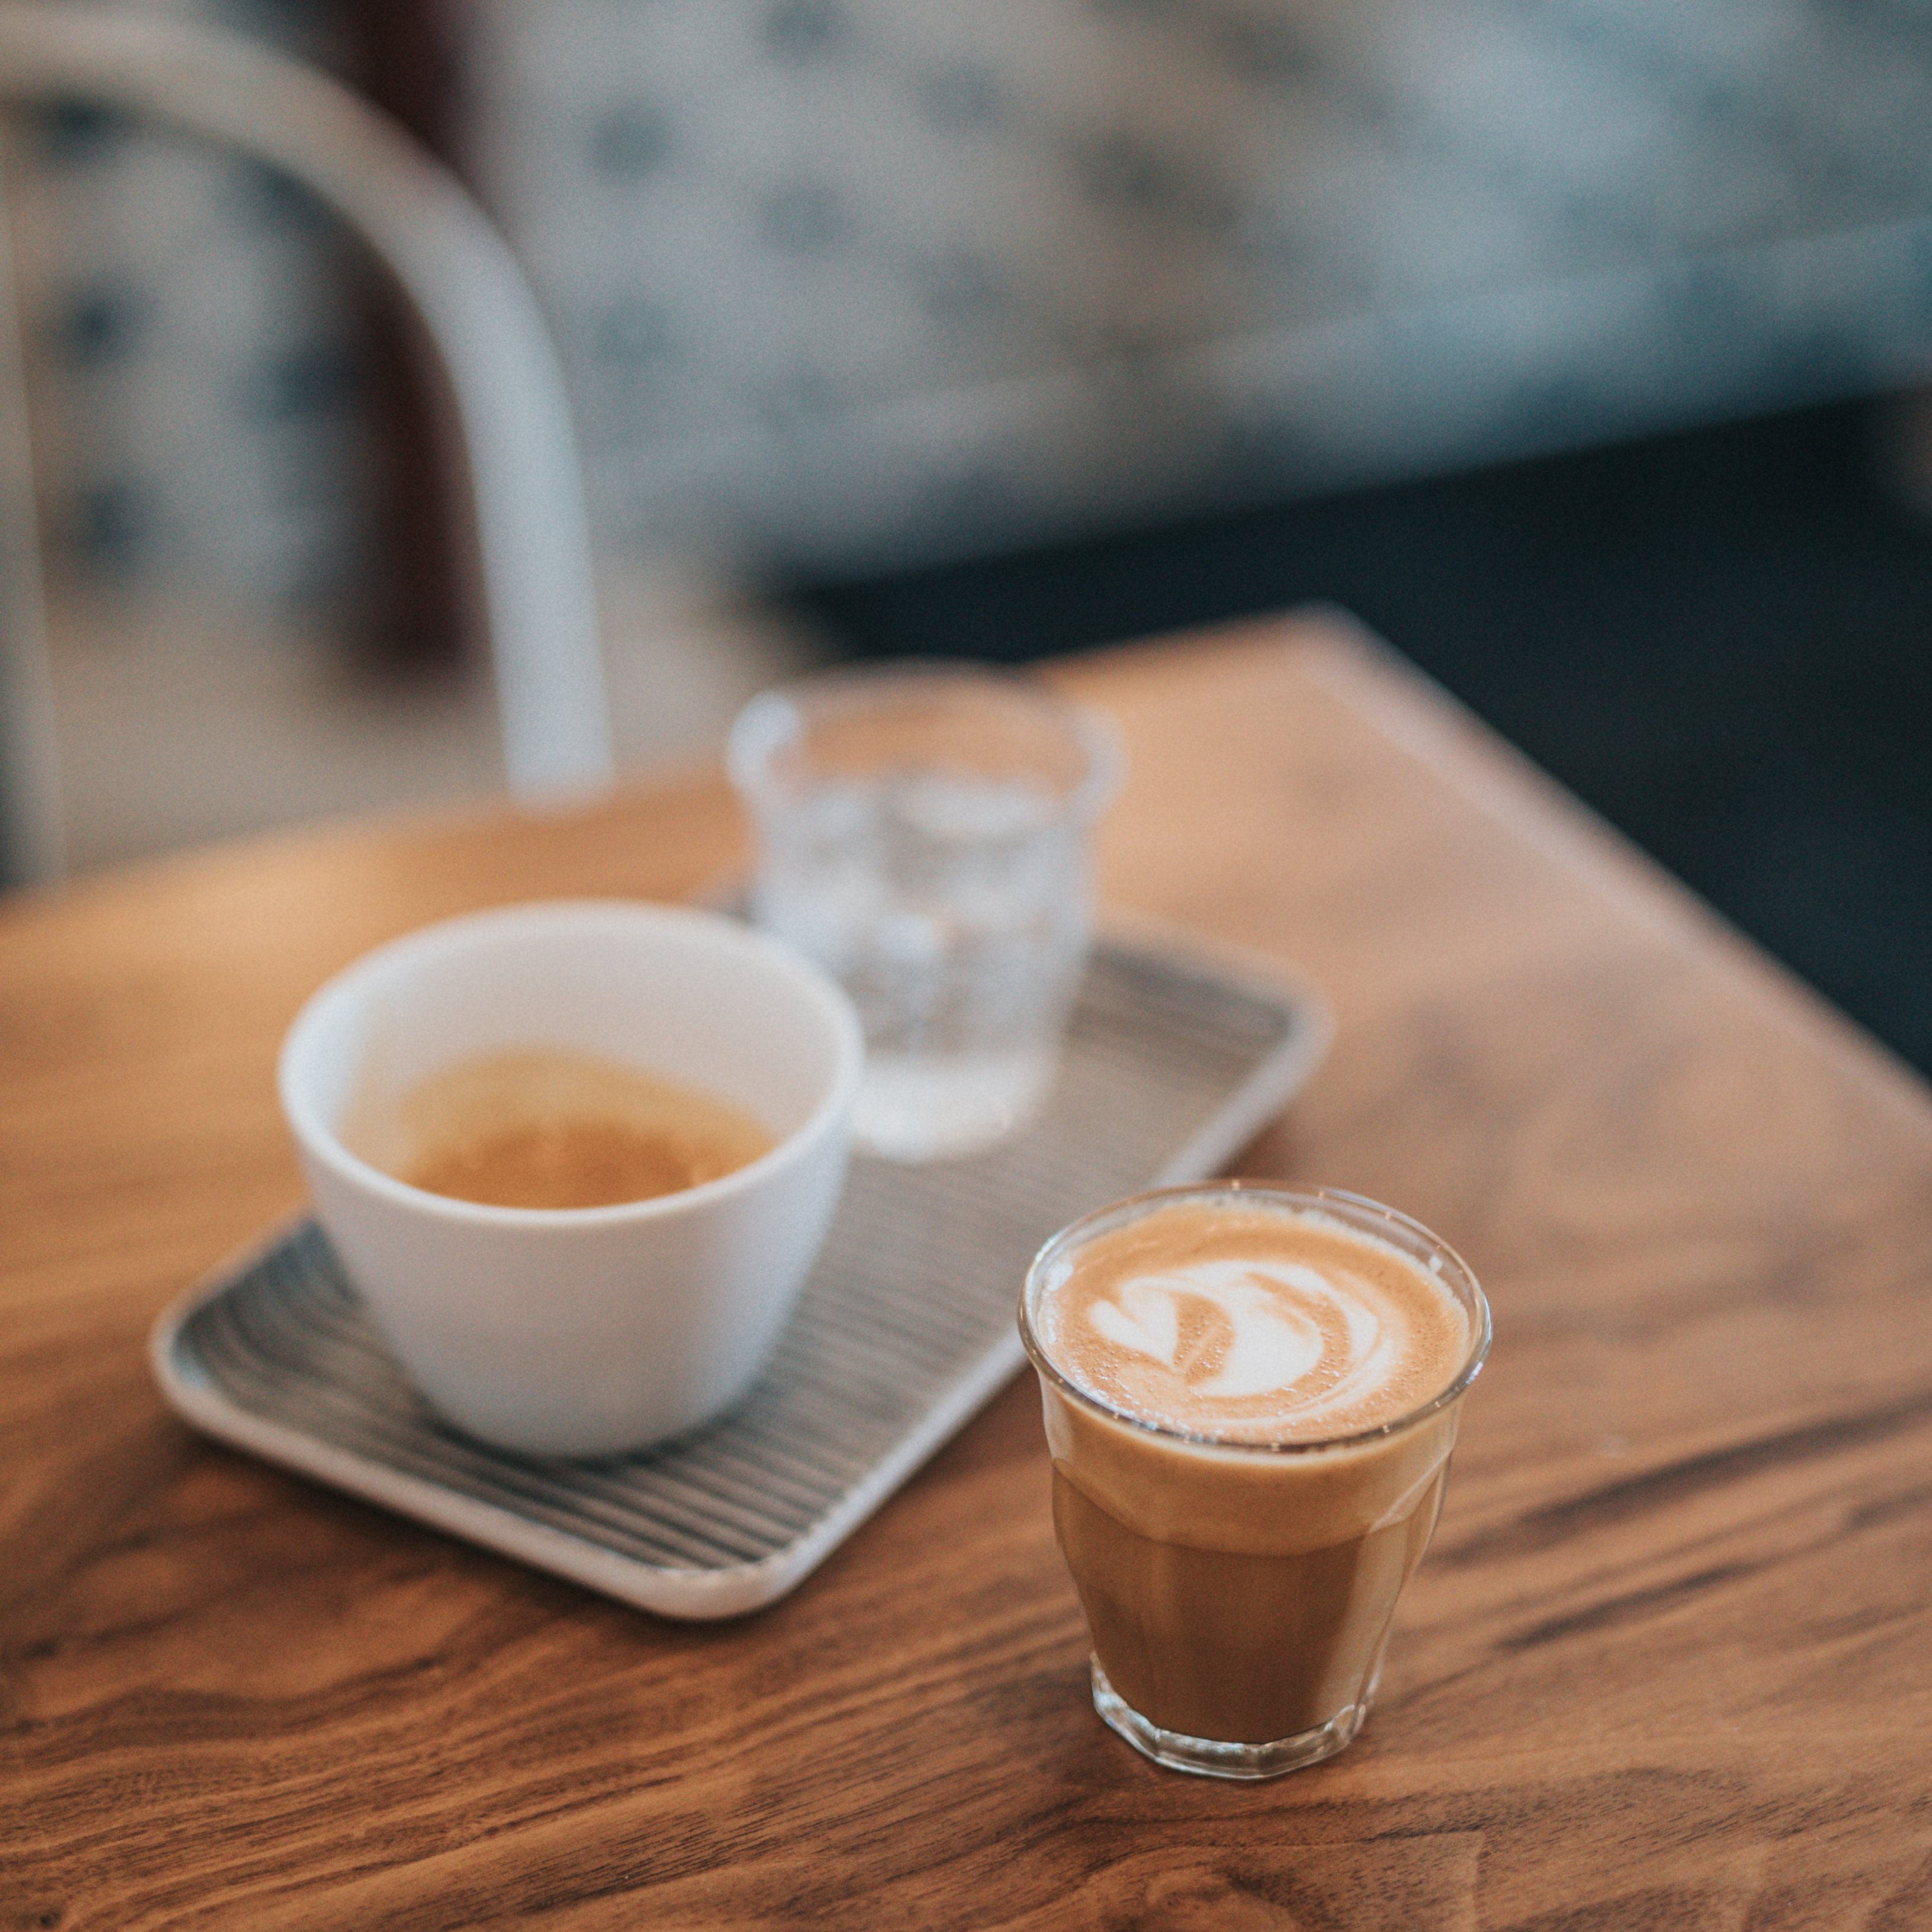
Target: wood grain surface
{"type": "Point", "coordinates": [1670, 1664]}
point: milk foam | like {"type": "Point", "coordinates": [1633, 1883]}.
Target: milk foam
{"type": "Point", "coordinates": [1251, 1324]}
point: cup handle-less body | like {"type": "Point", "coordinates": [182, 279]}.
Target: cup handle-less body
{"type": "Point", "coordinates": [590, 1339]}
{"type": "Point", "coordinates": [583, 1331]}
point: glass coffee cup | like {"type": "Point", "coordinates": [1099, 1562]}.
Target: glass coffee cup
{"type": "Point", "coordinates": [1239, 1567]}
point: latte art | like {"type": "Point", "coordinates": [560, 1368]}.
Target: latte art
{"type": "Point", "coordinates": [1252, 1325]}
{"type": "Point", "coordinates": [1276, 1330]}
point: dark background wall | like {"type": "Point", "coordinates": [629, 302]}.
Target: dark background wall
{"type": "Point", "coordinates": [1720, 640]}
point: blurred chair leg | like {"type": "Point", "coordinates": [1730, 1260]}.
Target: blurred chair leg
{"type": "Point", "coordinates": [30, 811]}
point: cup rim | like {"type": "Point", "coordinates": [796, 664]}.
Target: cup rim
{"type": "Point", "coordinates": [319, 1139]}
{"type": "Point", "coordinates": [1301, 1200]}
{"type": "Point", "coordinates": [756, 732]}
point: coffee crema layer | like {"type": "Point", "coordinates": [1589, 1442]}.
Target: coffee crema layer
{"type": "Point", "coordinates": [539, 1128]}
{"type": "Point", "coordinates": [1248, 1324]}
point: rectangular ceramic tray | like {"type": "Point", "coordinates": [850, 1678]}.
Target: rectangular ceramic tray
{"type": "Point", "coordinates": [1174, 1059]}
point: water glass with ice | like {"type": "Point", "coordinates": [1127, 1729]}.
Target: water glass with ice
{"type": "Point", "coordinates": [923, 833]}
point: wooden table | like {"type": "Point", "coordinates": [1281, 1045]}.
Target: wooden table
{"type": "Point", "coordinates": [1670, 1665]}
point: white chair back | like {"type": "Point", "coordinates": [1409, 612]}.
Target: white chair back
{"type": "Point", "coordinates": [480, 315]}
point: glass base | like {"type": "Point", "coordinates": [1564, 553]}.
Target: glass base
{"type": "Point", "coordinates": [915, 1107]}
{"type": "Point", "coordinates": [1206, 1757]}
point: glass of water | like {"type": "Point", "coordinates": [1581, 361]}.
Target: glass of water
{"type": "Point", "coordinates": [923, 834]}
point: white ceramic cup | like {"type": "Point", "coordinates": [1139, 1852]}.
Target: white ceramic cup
{"type": "Point", "coordinates": [590, 1330]}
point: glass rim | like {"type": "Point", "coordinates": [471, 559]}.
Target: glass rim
{"type": "Point", "coordinates": [754, 737]}
{"type": "Point", "coordinates": [1130, 1206]}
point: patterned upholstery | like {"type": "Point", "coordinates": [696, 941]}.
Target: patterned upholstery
{"type": "Point", "coordinates": [840, 283]}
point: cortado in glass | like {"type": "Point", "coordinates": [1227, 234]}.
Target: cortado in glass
{"type": "Point", "coordinates": [1251, 1396]}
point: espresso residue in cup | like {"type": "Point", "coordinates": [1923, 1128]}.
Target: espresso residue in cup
{"type": "Point", "coordinates": [540, 1128]}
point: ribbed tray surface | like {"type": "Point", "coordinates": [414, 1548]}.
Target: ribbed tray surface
{"type": "Point", "coordinates": [904, 1326]}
